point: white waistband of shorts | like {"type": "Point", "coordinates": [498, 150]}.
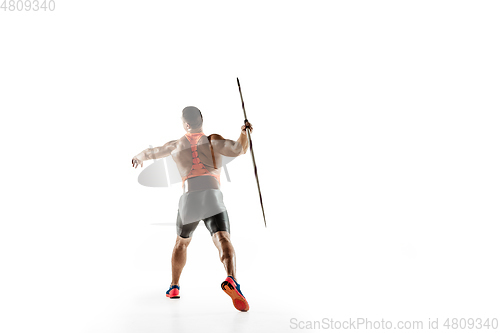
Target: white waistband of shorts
{"type": "Point", "coordinates": [187, 189]}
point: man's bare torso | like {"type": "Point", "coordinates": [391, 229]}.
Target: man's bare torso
{"type": "Point", "coordinates": [210, 150]}
{"type": "Point", "coordinates": [182, 155]}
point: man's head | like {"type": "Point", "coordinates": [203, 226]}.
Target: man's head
{"type": "Point", "coordinates": [192, 119]}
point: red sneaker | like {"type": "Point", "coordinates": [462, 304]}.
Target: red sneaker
{"type": "Point", "coordinates": [232, 288]}
{"type": "Point", "coordinates": [173, 292]}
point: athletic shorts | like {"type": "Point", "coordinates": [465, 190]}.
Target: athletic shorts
{"type": "Point", "coordinates": [215, 223]}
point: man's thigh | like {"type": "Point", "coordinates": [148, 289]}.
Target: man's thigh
{"type": "Point", "coordinates": [217, 222]}
{"type": "Point", "coordinates": [185, 230]}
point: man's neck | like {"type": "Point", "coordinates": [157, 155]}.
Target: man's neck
{"type": "Point", "coordinates": [198, 130]}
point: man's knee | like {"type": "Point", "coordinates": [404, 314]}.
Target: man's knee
{"type": "Point", "coordinates": [181, 243]}
{"type": "Point", "coordinates": [222, 237]}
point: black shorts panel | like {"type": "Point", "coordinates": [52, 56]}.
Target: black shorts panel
{"type": "Point", "coordinates": [215, 223]}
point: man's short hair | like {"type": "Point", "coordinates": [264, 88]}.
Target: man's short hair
{"type": "Point", "coordinates": [192, 116]}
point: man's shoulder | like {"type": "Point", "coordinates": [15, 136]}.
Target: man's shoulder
{"type": "Point", "coordinates": [174, 142]}
{"type": "Point", "coordinates": [215, 136]}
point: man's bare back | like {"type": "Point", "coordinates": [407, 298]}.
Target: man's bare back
{"type": "Point", "coordinates": [181, 151]}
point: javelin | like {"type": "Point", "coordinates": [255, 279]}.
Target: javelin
{"type": "Point", "coordinates": [251, 151]}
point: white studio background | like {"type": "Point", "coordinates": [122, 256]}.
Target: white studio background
{"type": "Point", "coordinates": [375, 133]}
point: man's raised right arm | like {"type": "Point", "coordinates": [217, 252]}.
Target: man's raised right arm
{"type": "Point", "coordinates": [231, 148]}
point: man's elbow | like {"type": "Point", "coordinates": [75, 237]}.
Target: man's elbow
{"type": "Point", "coordinates": [239, 149]}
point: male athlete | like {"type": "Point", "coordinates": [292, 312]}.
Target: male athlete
{"type": "Point", "coordinates": [198, 158]}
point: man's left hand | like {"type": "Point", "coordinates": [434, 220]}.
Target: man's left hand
{"type": "Point", "coordinates": [136, 162]}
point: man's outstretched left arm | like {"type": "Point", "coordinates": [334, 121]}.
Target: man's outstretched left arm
{"type": "Point", "coordinates": [154, 153]}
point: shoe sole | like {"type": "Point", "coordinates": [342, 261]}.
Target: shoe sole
{"type": "Point", "coordinates": [176, 296]}
{"type": "Point", "coordinates": [239, 302]}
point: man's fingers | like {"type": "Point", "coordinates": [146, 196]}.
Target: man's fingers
{"type": "Point", "coordinates": [135, 163]}
{"type": "Point", "coordinates": [247, 125]}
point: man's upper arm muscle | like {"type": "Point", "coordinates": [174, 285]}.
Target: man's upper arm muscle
{"type": "Point", "coordinates": [160, 152]}
{"type": "Point", "coordinates": [225, 147]}
{"type": "Point", "coordinates": [167, 148]}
